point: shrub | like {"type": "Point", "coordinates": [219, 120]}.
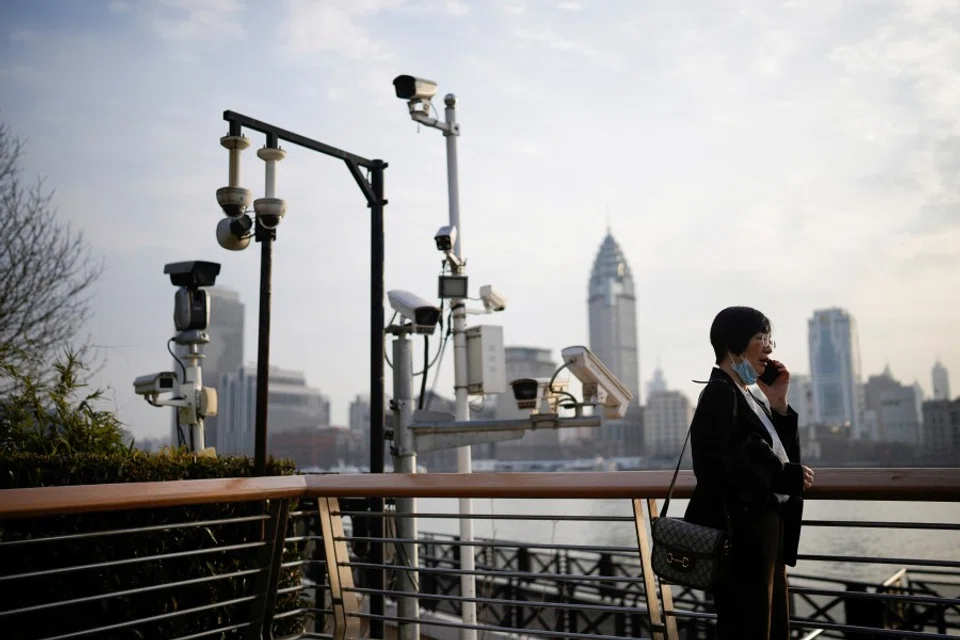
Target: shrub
{"type": "Point", "coordinates": [22, 550]}
{"type": "Point", "coordinates": [53, 412]}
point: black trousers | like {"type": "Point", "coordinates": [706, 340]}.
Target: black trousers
{"type": "Point", "coordinates": [752, 603]}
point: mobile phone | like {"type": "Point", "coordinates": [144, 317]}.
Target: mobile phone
{"type": "Point", "coordinates": [770, 374]}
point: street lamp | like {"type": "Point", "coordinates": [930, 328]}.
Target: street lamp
{"type": "Point", "coordinates": [235, 232]}
{"type": "Point", "coordinates": [418, 92]}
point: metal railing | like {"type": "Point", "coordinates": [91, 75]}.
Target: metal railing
{"type": "Point", "coordinates": [293, 557]}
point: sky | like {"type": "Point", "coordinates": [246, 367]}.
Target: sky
{"type": "Point", "coordinates": [788, 156]}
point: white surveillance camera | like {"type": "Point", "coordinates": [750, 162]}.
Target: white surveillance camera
{"type": "Point", "coordinates": [599, 385]}
{"type": "Point", "coordinates": [270, 211]}
{"type": "Point", "coordinates": [423, 314]}
{"type": "Point", "coordinates": [446, 238]}
{"type": "Point", "coordinates": [412, 88]}
{"type": "Point", "coordinates": [234, 200]}
{"type": "Point", "coordinates": [535, 394]}
{"type": "Point", "coordinates": [492, 299]}
{"type": "Point", "coordinates": [234, 234]}
{"type": "Point", "coordinates": [154, 384]}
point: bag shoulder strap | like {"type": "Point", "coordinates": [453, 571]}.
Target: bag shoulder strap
{"type": "Point", "coordinates": [666, 503]}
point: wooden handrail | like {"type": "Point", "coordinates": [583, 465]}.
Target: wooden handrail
{"type": "Point", "coordinates": [92, 498]}
{"type": "Point", "coordinates": [914, 484]}
{"type": "Point", "coordinates": [921, 484]}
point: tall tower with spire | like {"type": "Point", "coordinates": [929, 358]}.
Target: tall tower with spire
{"type": "Point", "coordinates": [941, 381]}
{"type": "Point", "coordinates": [613, 315]}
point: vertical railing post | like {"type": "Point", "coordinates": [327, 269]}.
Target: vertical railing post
{"type": "Point", "coordinates": [346, 624]}
{"type": "Point", "coordinates": [274, 534]}
{"type": "Point", "coordinates": [649, 579]}
{"type": "Point", "coordinates": [666, 592]}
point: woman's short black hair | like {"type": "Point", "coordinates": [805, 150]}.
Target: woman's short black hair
{"type": "Point", "coordinates": [733, 328]}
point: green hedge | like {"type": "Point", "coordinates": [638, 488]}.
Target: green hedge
{"type": "Point", "coordinates": [36, 470]}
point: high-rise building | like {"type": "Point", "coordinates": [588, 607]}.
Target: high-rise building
{"type": "Point", "coordinates": [800, 397]}
{"type": "Point", "coordinates": [222, 355]}
{"type": "Point", "coordinates": [835, 369]}
{"type": "Point", "coordinates": [891, 410]}
{"type": "Point", "coordinates": [666, 418]}
{"type": "Point", "coordinates": [359, 415]}
{"type": "Point", "coordinates": [941, 382]}
{"type": "Point", "coordinates": [292, 406]}
{"type": "Point", "coordinates": [657, 382]}
{"type": "Point", "coordinates": [613, 315]}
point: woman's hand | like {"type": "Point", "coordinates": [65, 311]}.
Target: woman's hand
{"type": "Point", "coordinates": [777, 392]}
{"type": "Point", "coordinates": [807, 477]}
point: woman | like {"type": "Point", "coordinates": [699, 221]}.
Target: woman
{"type": "Point", "coordinates": [746, 458]}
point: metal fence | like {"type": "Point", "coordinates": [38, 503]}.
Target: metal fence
{"type": "Point", "coordinates": [293, 558]}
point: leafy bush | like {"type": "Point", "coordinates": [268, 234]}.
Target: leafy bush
{"type": "Point", "coordinates": [22, 550]}
{"type": "Point", "coordinates": [53, 413]}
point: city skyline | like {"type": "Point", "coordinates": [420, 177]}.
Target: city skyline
{"type": "Point", "coordinates": [789, 157]}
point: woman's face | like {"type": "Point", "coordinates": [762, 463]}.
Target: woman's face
{"type": "Point", "coordinates": [758, 351]}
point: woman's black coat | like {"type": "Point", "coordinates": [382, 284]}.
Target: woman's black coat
{"type": "Point", "coordinates": [736, 467]}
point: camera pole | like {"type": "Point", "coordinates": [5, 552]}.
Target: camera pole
{"type": "Point", "coordinates": [270, 154]}
{"type": "Point", "coordinates": [405, 461]}
{"type": "Point", "coordinates": [468, 583]}
{"type": "Point", "coordinates": [372, 187]}
{"type": "Point", "coordinates": [192, 384]}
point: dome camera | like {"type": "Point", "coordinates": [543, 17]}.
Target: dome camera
{"type": "Point", "coordinates": [270, 211]}
{"type": "Point", "coordinates": [233, 234]}
{"type": "Point", "coordinates": [234, 200]}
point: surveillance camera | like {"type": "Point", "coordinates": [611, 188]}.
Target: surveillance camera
{"type": "Point", "coordinates": [535, 394]}
{"type": "Point", "coordinates": [234, 200]}
{"type": "Point", "coordinates": [192, 274]}
{"type": "Point", "coordinates": [233, 234]}
{"type": "Point", "coordinates": [270, 211]}
{"type": "Point", "coordinates": [599, 385]}
{"type": "Point", "coordinates": [446, 238]}
{"type": "Point", "coordinates": [421, 313]}
{"type": "Point", "coordinates": [191, 309]}
{"type": "Point", "coordinates": [411, 88]}
{"type": "Point", "coordinates": [155, 383]}
{"type": "Point", "coordinates": [492, 299]}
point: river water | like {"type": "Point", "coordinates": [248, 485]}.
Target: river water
{"type": "Point", "coordinates": [884, 543]}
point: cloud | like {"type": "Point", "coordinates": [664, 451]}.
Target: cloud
{"type": "Point", "coordinates": [570, 6]}
{"type": "Point", "coordinates": [550, 39]}
{"type": "Point", "coordinates": [336, 26]}
{"type": "Point", "coordinates": [192, 20]}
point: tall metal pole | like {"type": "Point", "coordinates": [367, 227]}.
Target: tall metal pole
{"type": "Point", "coordinates": [405, 461]}
{"type": "Point", "coordinates": [265, 237]}
{"type": "Point", "coordinates": [376, 386]}
{"type": "Point", "coordinates": [468, 583]}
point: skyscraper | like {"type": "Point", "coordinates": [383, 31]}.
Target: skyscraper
{"type": "Point", "coordinates": [222, 355]}
{"type": "Point", "coordinates": [941, 382]}
{"type": "Point", "coordinates": [613, 315]}
{"type": "Point", "coordinates": [835, 369]}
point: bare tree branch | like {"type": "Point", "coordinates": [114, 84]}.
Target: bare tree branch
{"type": "Point", "coordinates": [47, 271]}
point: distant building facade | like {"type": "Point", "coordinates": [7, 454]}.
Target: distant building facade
{"type": "Point", "coordinates": [292, 407]}
{"type": "Point", "coordinates": [666, 418]}
{"type": "Point", "coordinates": [941, 431]}
{"type": "Point", "coordinates": [835, 369]}
{"type": "Point", "coordinates": [222, 355]}
{"type": "Point", "coordinates": [891, 411]}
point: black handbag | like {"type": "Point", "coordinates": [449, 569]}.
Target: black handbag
{"type": "Point", "coordinates": [688, 554]}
